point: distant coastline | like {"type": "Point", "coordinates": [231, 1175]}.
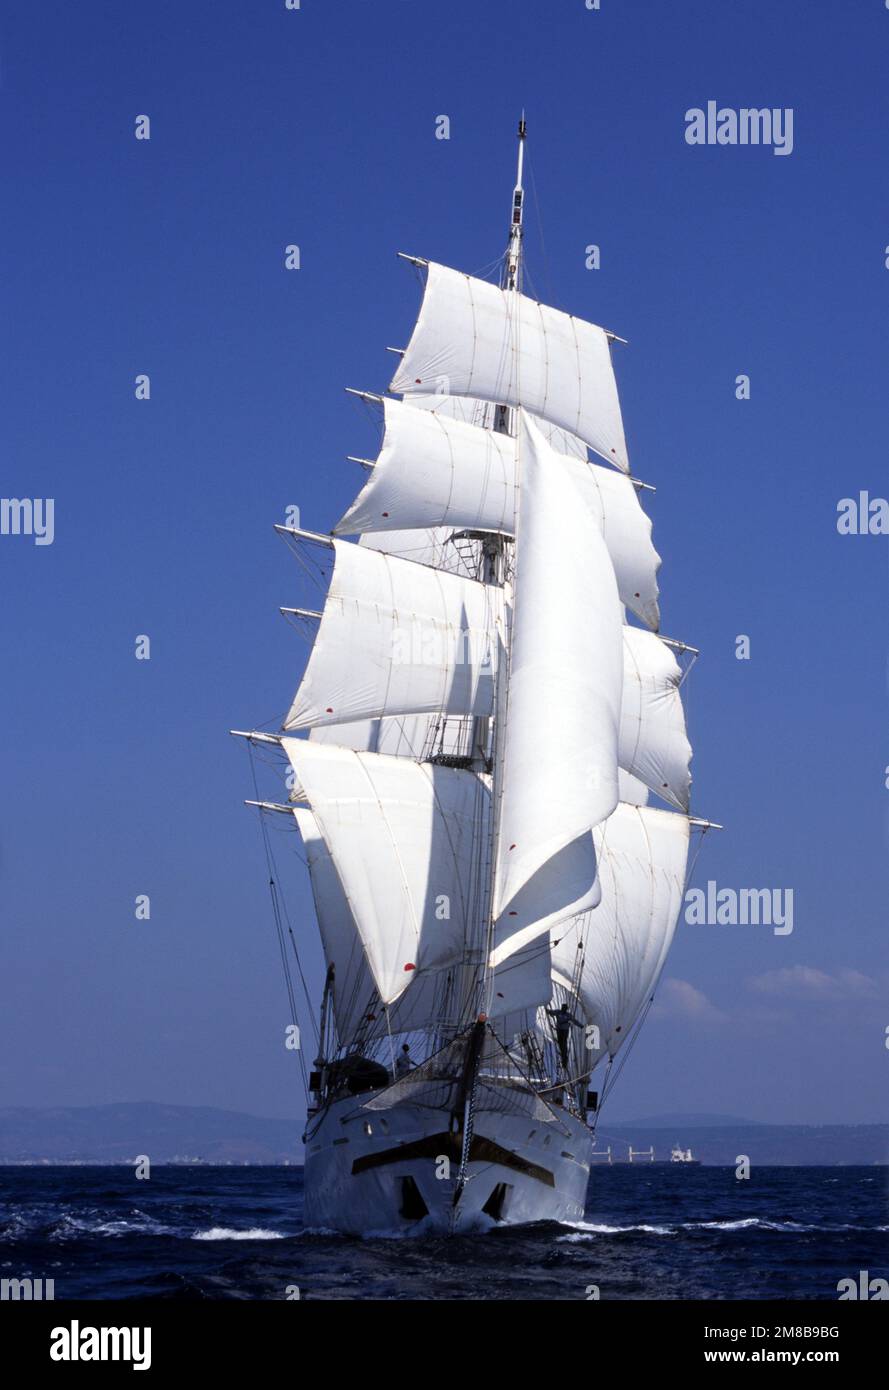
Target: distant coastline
{"type": "Point", "coordinates": [192, 1136]}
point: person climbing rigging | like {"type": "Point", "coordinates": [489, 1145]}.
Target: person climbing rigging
{"type": "Point", "coordinates": [563, 1018]}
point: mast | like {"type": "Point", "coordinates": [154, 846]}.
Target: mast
{"type": "Point", "coordinates": [511, 276]}
{"type": "Point", "coordinates": [513, 267]}
{"type": "Point", "coordinates": [495, 568]}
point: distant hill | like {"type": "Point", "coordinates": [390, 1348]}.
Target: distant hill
{"type": "Point", "coordinates": [185, 1134]}
{"type": "Point", "coordinates": [166, 1133]}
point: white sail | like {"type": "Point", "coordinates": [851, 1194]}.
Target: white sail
{"type": "Point", "coordinates": [354, 997]}
{"type": "Point", "coordinates": [561, 730]}
{"type": "Point", "coordinates": [406, 839]}
{"type": "Point", "coordinates": [353, 988]}
{"type": "Point", "coordinates": [522, 981]}
{"type": "Point", "coordinates": [482, 413]}
{"type": "Point", "coordinates": [434, 471]}
{"type": "Point", "coordinates": [653, 742]}
{"type": "Point", "coordinates": [642, 855]}
{"type": "Point", "coordinates": [653, 749]}
{"type": "Point", "coordinates": [397, 637]}
{"type": "Point", "coordinates": [632, 791]}
{"type": "Point", "coordinates": [473, 339]}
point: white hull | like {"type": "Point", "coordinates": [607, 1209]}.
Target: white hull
{"type": "Point", "coordinates": [523, 1168]}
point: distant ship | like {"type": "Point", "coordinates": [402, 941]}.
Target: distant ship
{"type": "Point", "coordinates": [677, 1155]}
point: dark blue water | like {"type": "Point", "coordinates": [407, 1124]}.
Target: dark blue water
{"type": "Point", "coordinates": [210, 1233]}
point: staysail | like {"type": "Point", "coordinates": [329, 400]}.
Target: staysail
{"type": "Point", "coordinates": [560, 740]}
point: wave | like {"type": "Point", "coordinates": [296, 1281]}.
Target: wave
{"type": "Point", "coordinates": [588, 1230]}
{"type": "Point", "coordinates": [226, 1233]}
{"type": "Point", "coordinates": [136, 1224]}
{"type": "Point", "coordinates": [583, 1230]}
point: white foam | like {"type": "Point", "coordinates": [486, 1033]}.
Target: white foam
{"type": "Point", "coordinates": [585, 1230]}
{"type": "Point", "coordinates": [226, 1233]}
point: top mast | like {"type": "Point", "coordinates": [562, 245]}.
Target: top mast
{"type": "Point", "coordinates": [513, 267]}
{"type": "Point", "coordinates": [511, 277]}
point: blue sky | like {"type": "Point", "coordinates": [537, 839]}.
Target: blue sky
{"type": "Point", "coordinates": [165, 257]}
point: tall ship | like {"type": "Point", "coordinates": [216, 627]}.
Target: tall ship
{"type": "Point", "coordinates": [486, 707]}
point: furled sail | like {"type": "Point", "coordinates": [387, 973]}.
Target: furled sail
{"type": "Point", "coordinates": [407, 840]}
{"type": "Point", "coordinates": [397, 637]}
{"type": "Point", "coordinates": [473, 339]}
{"type": "Point", "coordinates": [642, 855]}
{"type": "Point", "coordinates": [434, 471]}
{"type": "Point", "coordinates": [560, 742]}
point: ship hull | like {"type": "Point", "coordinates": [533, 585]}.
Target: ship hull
{"type": "Point", "coordinates": [396, 1172]}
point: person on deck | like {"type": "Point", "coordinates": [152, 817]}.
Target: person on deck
{"type": "Point", "coordinates": [403, 1063]}
{"type": "Point", "coordinates": [563, 1018]}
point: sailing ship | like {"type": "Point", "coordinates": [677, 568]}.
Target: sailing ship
{"type": "Point", "coordinates": [486, 707]}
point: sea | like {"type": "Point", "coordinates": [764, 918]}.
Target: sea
{"type": "Point", "coordinates": [649, 1232]}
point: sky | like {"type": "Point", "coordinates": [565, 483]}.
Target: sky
{"type": "Point", "coordinates": [316, 127]}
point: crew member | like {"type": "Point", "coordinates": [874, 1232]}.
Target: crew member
{"type": "Point", "coordinates": [563, 1019]}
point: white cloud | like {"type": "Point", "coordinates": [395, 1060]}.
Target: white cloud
{"type": "Point", "coordinates": [805, 982]}
{"type": "Point", "coordinates": [679, 999]}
